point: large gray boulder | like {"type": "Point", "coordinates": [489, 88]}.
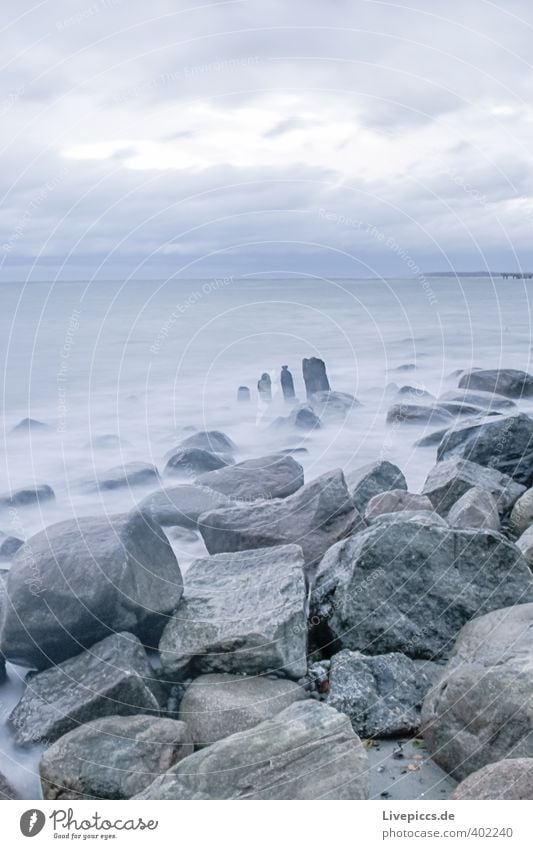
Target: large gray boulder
{"type": "Point", "coordinates": [382, 695]}
{"type": "Point", "coordinates": [450, 479]}
{"type": "Point", "coordinates": [315, 518]}
{"type": "Point", "coordinates": [190, 462]}
{"type": "Point", "coordinates": [512, 383]}
{"type": "Point", "coordinates": [477, 508]}
{"type": "Point", "coordinates": [333, 406]}
{"type": "Point", "coordinates": [27, 497]}
{"type": "Point", "coordinates": [114, 677]}
{"type": "Point", "coordinates": [274, 476]}
{"type": "Point", "coordinates": [522, 513]}
{"type": "Point", "coordinates": [241, 613]}
{"type": "Point", "coordinates": [127, 475]}
{"type": "Point", "coordinates": [511, 778]}
{"type": "Point", "coordinates": [80, 580]}
{"type": "Point", "coordinates": [480, 710]}
{"type": "Point", "coordinates": [407, 587]}
{"type": "Point", "coordinates": [420, 517]}
{"type": "Point", "coordinates": [308, 751]}
{"type": "Point", "coordinates": [525, 544]}
{"type": "Point", "coordinates": [215, 706]}
{"type": "Point", "coordinates": [112, 758]}
{"type": "Point", "coordinates": [182, 505]}
{"type": "Point", "coordinates": [487, 400]}
{"type": "Point", "coordinates": [418, 414]}
{"type": "Point", "coordinates": [210, 440]}
{"type": "Point", "coordinates": [370, 480]}
{"type": "Point", "coordinates": [395, 501]}
{"type": "Point", "coordinates": [504, 443]}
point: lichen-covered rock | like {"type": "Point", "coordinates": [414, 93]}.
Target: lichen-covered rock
{"type": "Point", "coordinates": [477, 508]}
{"type": "Point", "coordinates": [396, 501]}
{"type": "Point", "coordinates": [511, 778]}
{"type": "Point", "coordinates": [274, 476]}
{"type": "Point", "coordinates": [308, 751]}
{"type": "Point", "coordinates": [113, 758]}
{"type": "Point", "coordinates": [448, 481]}
{"type": "Point", "coordinates": [370, 480]}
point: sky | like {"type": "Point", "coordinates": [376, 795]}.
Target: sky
{"type": "Point", "coordinates": [339, 138]}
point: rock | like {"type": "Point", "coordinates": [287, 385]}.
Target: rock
{"type": "Point", "coordinates": [477, 508]}
{"type": "Point", "coordinates": [420, 517]}
{"type": "Point", "coordinates": [308, 751]}
{"type": "Point", "coordinates": [395, 501]}
{"type": "Point", "coordinates": [274, 476]}
{"type": "Point", "coordinates": [431, 439]}
{"type": "Point", "coordinates": [382, 695]}
{"type": "Point", "coordinates": [303, 418]}
{"type": "Point", "coordinates": [461, 408]}
{"type": "Point", "coordinates": [415, 393]}
{"type": "Point", "coordinates": [522, 513]}
{"type": "Point", "coordinates": [129, 474]}
{"type": "Point", "coordinates": [480, 709]}
{"type": "Point", "coordinates": [114, 677]}
{"type": "Point", "coordinates": [511, 778]}
{"type": "Point", "coordinates": [27, 497]}
{"type": "Point", "coordinates": [333, 405]}
{"type": "Point", "coordinates": [315, 517]}
{"type": "Point", "coordinates": [407, 587]}
{"type": "Point", "coordinates": [404, 367]}
{"type": "Point", "coordinates": [486, 400]}
{"type": "Point", "coordinates": [9, 546]}
{"type": "Point", "coordinates": [210, 440]}
{"type": "Point", "coordinates": [450, 479]}
{"type": "Point", "coordinates": [525, 544]}
{"type": "Point", "coordinates": [107, 442]}
{"type": "Point", "coordinates": [509, 382]}
{"type": "Point", "coordinates": [79, 580]}
{"type": "Point", "coordinates": [215, 706]}
{"type": "Point", "coordinates": [241, 613]}
{"type": "Point", "coordinates": [370, 480]}
{"type": "Point", "coordinates": [182, 505]}
{"type": "Point", "coordinates": [31, 426]}
{"type": "Point", "coordinates": [264, 387]}
{"type": "Point", "coordinates": [7, 792]}
{"type": "Point", "coordinates": [287, 383]}
{"type": "Point", "coordinates": [243, 394]}
{"type": "Point", "coordinates": [112, 758]}
{"type": "Point", "coordinates": [418, 414]}
{"type": "Point", "coordinates": [190, 462]}
{"type": "Point", "coordinates": [315, 377]}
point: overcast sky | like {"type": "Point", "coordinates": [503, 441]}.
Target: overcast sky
{"type": "Point", "coordinates": [334, 137]}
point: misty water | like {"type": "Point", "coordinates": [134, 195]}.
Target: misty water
{"type": "Point", "coordinates": [149, 361]}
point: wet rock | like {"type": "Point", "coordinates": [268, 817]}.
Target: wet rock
{"type": "Point", "coordinates": [243, 394]}
{"type": "Point", "coordinates": [370, 480]}
{"type": "Point", "coordinates": [395, 501]}
{"type": "Point", "coordinates": [415, 393]}
{"type": "Point", "coordinates": [264, 387]}
{"type": "Point", "coordinates": [7, 791]}
{"type": "Point", "coordinates": [32, 426]}
{"type": "Point", "coordinates": [210, 440]}
{"type": "Point", "coordinates": [480, 710]}
{"type": "Point", "coordinates": [273, 476]}
{"type": "Point", "coordinates": [408, 587]}
{"type": "Point", "coordinates": [431, 439]}
{"type": "Point", "coordinates": [382, 695]}
{"type": "Point", "coordinates": [113, 758]}
{"type": "Point", "coordinates": [308, 751]}
{"type": "Point", "coordinates": [461, 408]}
{"type": "Point", "coordinates": [287, 383]}
{"type": "Point", "coordinates": [127, 475]}
{"type": "Point", "coordinates": [182, 505]}
{"type": "Point", "coordinates": [190, 462]}
{"type": "Point", "coordinates": [114, 677]}
{"type": "Point", "coordinates": [525, 544]}
{"type": "Point", "coordinates": [27, 496]}
{"type": "Point", "coordinates": [421, 517]}
{"type": "Point", "coordinates": [522, 513]}
{"type": "Point", "coordinates": [512, 383]}
{"type": "Point", "coordinates": [333, 406]}
{"type": "Point", "coordinates": [418, 414]}
{"type": "Point", "coordinates": [315, 377]}
{"type": "Point", "coordinates": [241, 613]}
{"type": "Point", "coordinates": [215, 706]}
{"type": "Point", "coordinates": [315, 517]}
{"type": "Point", "coordinates": [477, 508]}
{"type": "Point", "coordinates": [485, 400]}
{"type": "Point", "coordinates": [511, 778]}
{"type": "Point", "coordinates": [79, 580]}
{"type": "Point", "coordinates": [9, 546]}
{"type": "Point", "coordinates": [450, 479]}
{"type": "Point", "coordinates": [404, 367]}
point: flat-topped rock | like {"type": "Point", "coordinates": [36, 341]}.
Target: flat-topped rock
{"type": "Point", "coordinates": [190, 462]}
{"type": "Point", "coordinates": [27, 496]}
{"type": "Point", "coordinates": [182, 505]}
{"type": "Point", "coordinates": [477, 508]}
{"type": "Point", "coordinates": [418, 414]}
{"type": "Point", "coordinates": [210, 440]}
{"type": "Point", "coordinates": [333, 405]}
{"type": "Point", "coordinates": [486, 400]}
{"type": "Point", "coordinates": [450, 479]}
{"type": "Point", "coordinates": [512, 383]}
{"type": "Point", "coordinates": [273, 476]}
{"type": "Point", "coordinates": [126, 475]}
{"type": "Point", "coordinates": [395, 501]}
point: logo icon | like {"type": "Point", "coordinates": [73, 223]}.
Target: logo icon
{"type": "Point", "coordinates": [32, 822]}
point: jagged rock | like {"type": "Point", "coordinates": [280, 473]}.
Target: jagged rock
{"type": "Point", "coordinates": [182, 505]}
{"type": "Point", "coordinates": [190, 462]}
{"type": "Point", "coordinates": [486, 400]}
{"type": "Point", "coordinates": [315, 377]}
{"type": "Point", "coordinates": [127, 475]}
{"type": "Point", "coordinates": [264, 387]}
{"type": "Point", "coordinates": [241, 613]}
{"type": "Point", "coordinates": [522, 513]}
{"type": "Point", "coordinates": [382, 695]}
{"type": "Point", "coordinates": [421, 517]}
{"type": "Point", "coordinates": [333, 405]}
{"type": "Point", "coordinates": [9, 546]}
{"type": "Point", "coordinates": [450, 479]}
{"type": "Point", "coordinates": [394, 501]}
{"type": "Point", "coordinates": [370, 480]}
{"type": "Point", "coordinates": [315, 517]}
{"type": "Point", "coordinates": [7, 791]}
{"type": "Point", "coordinates": [31, 426]}
{"type": "Point", "coordinates": [75, 582]}
{"type": "Point", "coordinates": [480, 709]}
{"type": "Point", "coordinates": [287, 383]}
{"type": "Point", "coordinates": [27, 496]}
{"type": "Point", "coordinates": [509, 382]}
{"type": "Point", "coordinates": [477, 508]}
{"type": "Point", "coordinates": [114, 677]}
{"type": "Point", "coordinates": [408, 587]}
{"type": "Point", "coordinates": [511, 778]}
{"type": "Point", "coordinates": [210, 440]}
{"type": "Point", "coordinates": [525, 544]}
{"type": "Point", "coordinates": [215, 706]}
{"type": "Point", "coordinates": [274, 476]}
{"type": "Point", "coordinates": [113, 758]}
{"type": "Point", "coordinates": [418, 414]}
{"type": "Point", "coordinates": [308, 751]}
{"type": "Point", "coordinates": [243, 394]}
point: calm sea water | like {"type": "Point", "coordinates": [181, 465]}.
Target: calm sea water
{"type": "Point", "coordinates": [148, 360]}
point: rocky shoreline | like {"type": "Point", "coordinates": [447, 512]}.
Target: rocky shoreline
{"type": "Point", "coordinates": [336, 633]}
